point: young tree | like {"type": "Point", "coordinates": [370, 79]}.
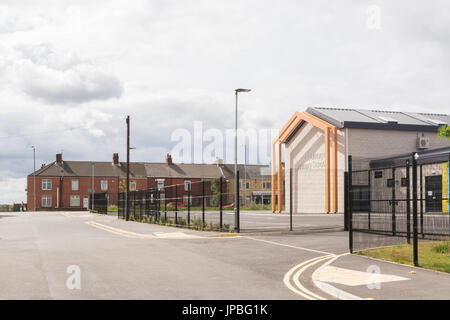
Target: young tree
{"type": "Point", "coordinates": [123, 185]}
{"type": "Point", "coordinates": [444, 132]}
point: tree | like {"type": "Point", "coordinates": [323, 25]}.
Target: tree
{"type": "Point", "coordinates": [123, 185]}
{"type": "Point", "coordinates": [444, 132]}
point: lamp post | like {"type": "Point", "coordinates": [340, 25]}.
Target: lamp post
{"type": "Point", "coordinates": [34, 177]}
{"type": "Point", "coordinates": [236, 179]}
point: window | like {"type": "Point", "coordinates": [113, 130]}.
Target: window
{"type": "Point", "coordinates": [247, 185]}
{"type": "Point", "coordinates": [404, 182]}
{"type": "Point", "coordinates": [132, 185]}
{"type": "Point", "coordinates": [390, 183]}
{"type": "Point", "coordinates": [187, 185]}
{"type": "Point", "coordinates": [46, 201]}
{"type": "Point", "coordinates": [378, 174]}
{"type": "Point", "coordinates": [266, 185]}
{"type": "Point", "coordinates": [74, 185]}
{"type": "Point", "coordinates": [46, 184]}
{"type": "Point", "coordinates": [240, 185]}
{"type": "Point", "coordinates": [74, 201]}
{"type": "Point", "coordinates": [104, 185]}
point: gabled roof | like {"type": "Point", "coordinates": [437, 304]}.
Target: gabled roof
{"type": "Point", "coordinates": [251, 171]}
{"type": "Point", "coordinates": [188, 170]}
{"type": "Point", "coordinates": [84, 169]}
{"type": "Point", "coordinates": [150, 169]}
{"type": "Point", "coordinates": [380, 119]}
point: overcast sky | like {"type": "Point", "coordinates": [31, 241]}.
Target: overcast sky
{"type": "Point", "coordinates": [70, 71]}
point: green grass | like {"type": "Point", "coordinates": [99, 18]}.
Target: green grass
{"type": "Point", "coordinates": [432, 254]}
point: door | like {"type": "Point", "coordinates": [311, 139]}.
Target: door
{"type": "Point", "coordinates": [85, 202]}
{"type": "Point", "coordinates": [433, 194]}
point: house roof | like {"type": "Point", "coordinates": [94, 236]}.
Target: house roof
{"type": "Point", "coordinates": [150, 169]}
{"type": "Point", "coordinates": [84, 169]}
{"type": "Point", "coordinates": [191, 170]}
{"type": "Point", "coordinates": [380, 119]}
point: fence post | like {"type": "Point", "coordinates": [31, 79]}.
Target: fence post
{"type": "Point", "coordinates": [350, 205]}
{"type": "Point", "coordinates": [346, 201]}
{"type": "Point", "coordinates": [220, 204]}
{"type": "Point", "coordinates": [393, 203]}
{"type": "Point", "coordinates": [415, 241]}
{"type": "Point", "coordinates": [203, 203]}
{"type": "Point", "coordinates": [176, 204]}
{"type": "Point", "coordinates": [408, 204]}
{"type": "Point", "coordinates": [290, 199]}
{"type": "Point", "coordinates": [370, 197]}
{"type": "Point", "coordinates": [421, 203]}
{"type": "Point", "coordinates": [237, 204]}
{"type": "Point", "coordinates": [165, 204]}
{"type": "Point", "coordinates": [189, 205]}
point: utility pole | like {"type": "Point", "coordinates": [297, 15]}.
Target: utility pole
{"type": "Point", "coordinates": [127, 208]}
{"type": "Point", "coordinates": [34, 177]}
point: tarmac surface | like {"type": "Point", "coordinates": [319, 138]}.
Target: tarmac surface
{"type": "Point", "coordinates": [45, 255]}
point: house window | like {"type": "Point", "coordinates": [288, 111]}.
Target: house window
{"type": "Point", "coordinates": [187, 185]}
{"type": "Point", "coordinates": [46, 184]}
{"type": "Point", "coordinates": [132, 185]}
{"type": "Point", "coordinates": [404, 182]}
{"type": "Point", "coordinates": [266, 185]}
{"type": "Point", "coordinates": [104, 185]}
{"type": "Point", "coordinates": [390, 183]}
{"type": "Point", "coordinates": [247, 185]}
{"type": "Point", "coordinates": [240, 185]}
{"type": "Point", "coordinates": [74, 201]}
{"type": "Point", "coordinates": [378, 174]}
{"type": "Point", "coordinates": [74, 185]}
{"type": "Point", "coordinates": [46, 201]}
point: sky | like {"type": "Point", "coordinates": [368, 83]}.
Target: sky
{"type": "Point", "coordinates": [71, 71]}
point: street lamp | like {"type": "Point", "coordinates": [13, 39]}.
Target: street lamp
{"type": "Point", "coordinates": [34, 177]}
{"type": "Point", "coordinates": [236, 199]}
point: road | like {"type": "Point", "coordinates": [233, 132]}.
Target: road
{"type": "Point", "coordinates": [130, 260]}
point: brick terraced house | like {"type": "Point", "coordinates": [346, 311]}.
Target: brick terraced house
{"type": "Point", "coordinates": [66, 185]}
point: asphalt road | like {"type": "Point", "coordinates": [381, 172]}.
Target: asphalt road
{"type": "Point", "coordinates": [129, 260]}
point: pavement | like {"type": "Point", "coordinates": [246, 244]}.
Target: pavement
{"type": "Point", "coordinates": [42, 252]}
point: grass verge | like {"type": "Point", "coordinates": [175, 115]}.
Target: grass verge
{"type": "Point", "coordinates": [433, 255]}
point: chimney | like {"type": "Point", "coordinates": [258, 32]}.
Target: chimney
{"type": "Point", "coordinates": [115, 158]}
{"type": "Point", "coordinates": [59, 158]}
{"type": "Point", "coordinates": [169, 159]}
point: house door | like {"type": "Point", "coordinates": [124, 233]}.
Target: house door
{"type": "Point", "coordinates": [86, 202]}
{"type": "Point", "coordinates": [433, 194]}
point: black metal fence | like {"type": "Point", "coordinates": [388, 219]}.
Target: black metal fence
{"type": "Point", "coordinates": [397, 202]}
{"type": "Point", "coordinates": [200, 205]}
{"type": "Point", "coordinates": [98, 202]}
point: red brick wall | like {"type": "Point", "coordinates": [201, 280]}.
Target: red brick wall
{"type": "Point", "coordinates": [84, 184]}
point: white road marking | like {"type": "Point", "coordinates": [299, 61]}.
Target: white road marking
{"type": "Point", "coordinates": [154, 235]}
{"type": "Point", "coordinates": [300, 289]}
{"type": "Point", "coordinates": [352, 278]}
{"type": "Point", "coordinates": [288, 245]}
